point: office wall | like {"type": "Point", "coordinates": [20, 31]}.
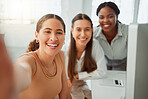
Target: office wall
{"type": "Point", "coordinates": [70, 8]}
{"type": "Point", "coordinates": [18, 36]}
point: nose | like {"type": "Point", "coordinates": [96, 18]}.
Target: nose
{"type": "Point", "coordinates": [83, 33]}
{"type": "Point", "coordinates": [105, 19]}
{"type": "Point", "coordinates": [53, 37]}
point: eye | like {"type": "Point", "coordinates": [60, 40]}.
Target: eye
{"type": "Point", "coordinates": [110, 16]}
{"type": "Point", "coordinates": [87, 29]}
{"type": "Point", "coordinates": [47, 31]}
{"type": "Point", "coordinates": [78, 29]}
{"type": "Point", "coordinates": [101, 17]}
{"type": "Point", "coordinates": [59, 33]}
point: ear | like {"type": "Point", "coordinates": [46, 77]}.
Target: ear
{"type": "Point", "coordinates": [36, 35]}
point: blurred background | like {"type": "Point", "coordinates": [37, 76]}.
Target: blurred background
{"type": "Point", "coordinates": [18, 17]}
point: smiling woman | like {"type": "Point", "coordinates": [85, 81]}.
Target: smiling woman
{"type": "Point", "coordinates": [83, 60]}
{"type": "Point", "coordinates": [40, 73]}
{"type": "Point", "coordinates": [112, 36]}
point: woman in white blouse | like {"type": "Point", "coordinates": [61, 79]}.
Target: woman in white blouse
{"type": "Point", "coordinates": [85, 59]}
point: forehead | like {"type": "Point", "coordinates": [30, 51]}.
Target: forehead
{"type": "Point", "coordinates": [52, 23]}
{"type": "Point", "coordinates": [106, 10]}
{"type": "Point", "coordinates": [82, 23]}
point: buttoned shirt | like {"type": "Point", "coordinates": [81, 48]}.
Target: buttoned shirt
{"type": "Point", "coordinates": [116, 52]}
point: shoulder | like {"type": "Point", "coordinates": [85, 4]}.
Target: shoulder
{"type": "Point", "coordinates": [123, 28]}
{"type": "Point", "coordinates": [96, 44]}
{"type": "Point", "coordinates": [61, 55]}
{"type": "Point", "coordinates": [96, 31]}
{"type": "Point", "coordinates": [27, 60]}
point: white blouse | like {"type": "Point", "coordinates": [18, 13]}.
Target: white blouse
{"type": "Point", "coordinates": [98, 56]}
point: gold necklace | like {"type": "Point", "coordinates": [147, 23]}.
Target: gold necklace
{"type": "Point", "coordinates": [46, 70]}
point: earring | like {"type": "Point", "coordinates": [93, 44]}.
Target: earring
{"type": "Point", "coordinates": [37, 41]}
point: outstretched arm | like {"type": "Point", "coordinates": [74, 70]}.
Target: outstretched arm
{"type": "Point", "coordinates": [6, 72]}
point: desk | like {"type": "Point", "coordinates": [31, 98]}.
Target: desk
{"type": "Point", "coordinates": [109, 92]}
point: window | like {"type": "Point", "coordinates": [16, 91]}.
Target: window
{"type": "Point", "coordinates": [126, 10]}
{"type": "Point", "coordinates": [143, 12]}
{"type": "Point", "coordinates": [27, 11]}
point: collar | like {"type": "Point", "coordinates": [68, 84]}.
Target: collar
{"type": "Point", "coordinates": [82, 56]}
{"type": "Point", "coordinates": [101, 35]}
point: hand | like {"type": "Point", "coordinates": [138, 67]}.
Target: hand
{"type": "Point", "coordinates": [77, 76]}
{"type": "Point", "coordinates": [69, 85]}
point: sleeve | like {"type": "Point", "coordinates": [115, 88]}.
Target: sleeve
{"type": "Point", "coordinates": [98, 56]}
{"type": "Point", "coordinates": [96, 31]}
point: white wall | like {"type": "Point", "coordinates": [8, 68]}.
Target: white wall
{"type": "Point", "coordinates": [18, 36]}
{"type": "Point", "coordinates": [71, 8]}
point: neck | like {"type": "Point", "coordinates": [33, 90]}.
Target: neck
{"type": "Point", "coordinates": [46, 59]}
{"type": "Point", "coordinates": [111, 34]}
{"type": "Point", "coordinates": [80, 50]}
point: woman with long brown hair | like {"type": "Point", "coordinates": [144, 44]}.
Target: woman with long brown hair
{"type": "Point", "coordinates": [40, 73]}
{"type": "Point", "coordinates": [85, 59]}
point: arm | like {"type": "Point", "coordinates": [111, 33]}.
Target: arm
{"type": "Point", "coordinates": [23, 73]}
{"type": "Point", "coordinates": [64, 94]}
{"type": "Point", "coordinates": [6, 72]}
{"type": "Point", "coordinates": [98, 56]}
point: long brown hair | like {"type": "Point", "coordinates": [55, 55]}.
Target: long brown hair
{"type": "Point", "coordinates": [89, 64]}
{"type": "Point", "coordinates": [34, 45]}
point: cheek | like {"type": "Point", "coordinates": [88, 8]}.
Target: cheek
{"type": "Point", "coordinates": [100, 21]}
{"type": "Point", "coordinates": [74, 35]}
{"type": "Point", "coordinates": [90, 35]}
{"type": "Point", "coordinates": [62, 39]}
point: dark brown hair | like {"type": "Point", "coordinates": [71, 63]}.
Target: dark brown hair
{"type": "Point", "coordinates": [89, 64]}
{"type": "Point", "coordinates": [35, 45]}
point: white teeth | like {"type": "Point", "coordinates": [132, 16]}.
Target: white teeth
{"type": "Point", "coordinates": [83, 39]}
{"type": "Point", "coordinates": [53, 45]}
{"type": "Point", "coordinates": [106, 25]}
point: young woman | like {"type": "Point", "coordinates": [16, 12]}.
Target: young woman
{"type": "Point", "coordinates": [85, 59]}
{"type": "Point", "coordinates": [112, 36]}
{"type": "Point", "coordinates": [40, 73]}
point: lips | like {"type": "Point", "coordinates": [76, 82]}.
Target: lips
{"type": "Point", "coordinates": [83, 39]}
{"type": "Point", "coordinates": [53, 46]}
{"type": "Point", "coordinates": [106, 26]}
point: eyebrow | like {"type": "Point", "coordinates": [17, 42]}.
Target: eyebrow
{"type": "Point", "coordinates": [47, 29]}
{"type": "Point", "coordinates": [60, 30]}
{"type": "Point", "coordinates": [51, 29]}
{"type": "Point", "coordinates": [85, 27]}
{"type": "Point", "coordinates": [108, 14]}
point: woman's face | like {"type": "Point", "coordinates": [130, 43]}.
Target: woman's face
{"type": "Point", "coordinates": [51, 36]}
{"type": "Point", "coordinates": [82, 32]}
{"type": "Point", "coordinates": [107, 19]}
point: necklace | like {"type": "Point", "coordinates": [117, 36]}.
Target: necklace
{"type": "Point", "coordinates": [47, 71]}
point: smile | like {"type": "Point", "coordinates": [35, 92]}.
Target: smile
{"type": "Point", "coordinates": [52, 46]}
